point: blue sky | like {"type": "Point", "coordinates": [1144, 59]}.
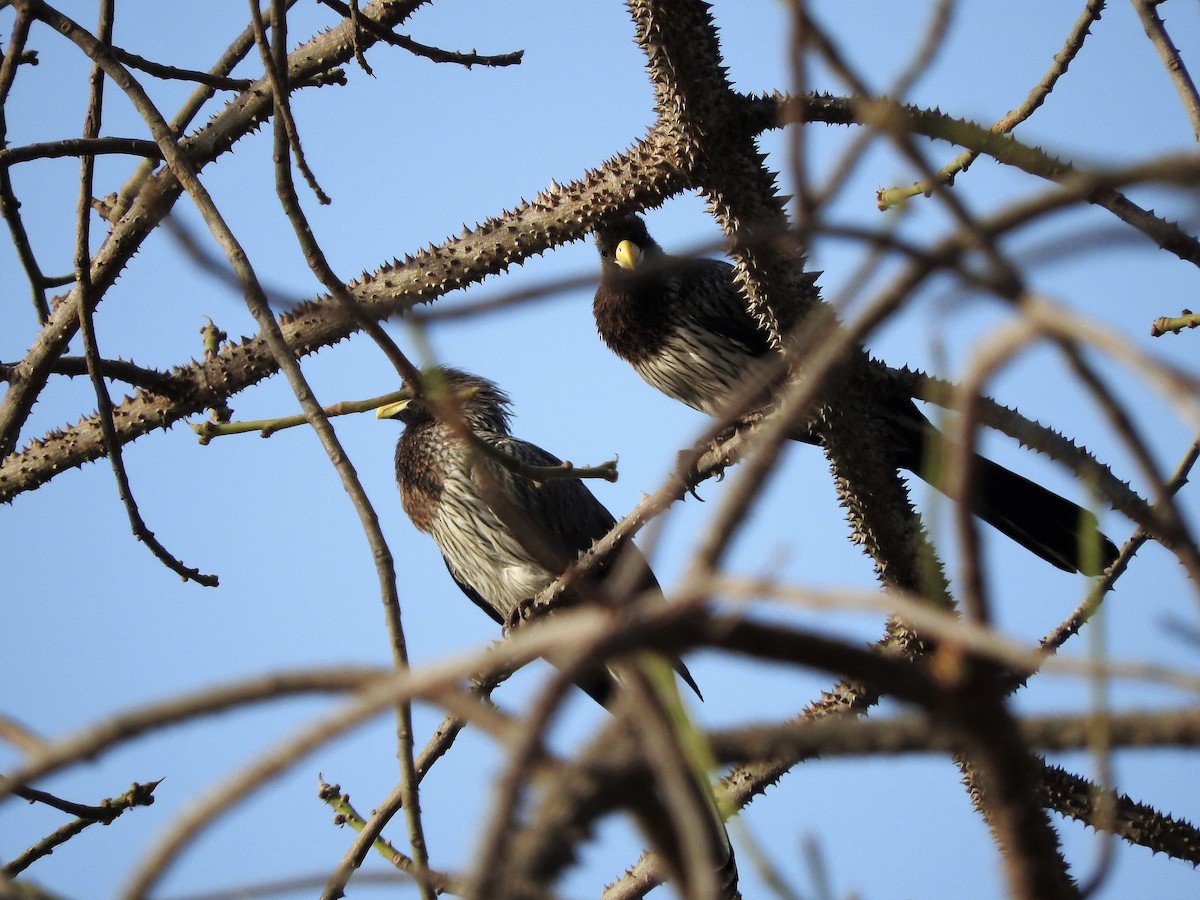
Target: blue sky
{"type": "Point", "coordinates": [95, 625]}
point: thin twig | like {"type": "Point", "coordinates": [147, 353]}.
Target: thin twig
{"type": "Point", "coordinates": [432, 682]}
{"type": "Point", "coordinates": [346, 814]}
{"type": "Point", "coordinates": [160, 383]}
{"type": "Point", "coordinates": [441, 741]}
{"type": "Point", "coordinates": [173, 73]}
{"type": "Point", "coordinates": [233, 54]}
{"type": "Point", "coordinates": [364, 23]}
{"type": "Point", "coordinates": [1172, 61]}
{"type": "Point", "coordinates": [107, 812]}
{"type": "Point", "coordinates": [11, 156]}
{"type": "Point", "coordinates": [285, 138]}
{"type": "Point", "coordinates": [154, 197]}
{"type": "Point", "coordinates": [118, 728]}
{"type": "Point", "coordinates": [1174, 324]}
{"type": "Point", "coordinates": [1036, 97]}
{"type": "Point", "coordinates": [104, 404]}
{"type": "Point", "coordinates": [275, 68]}
{"type": "Point", "coordinates": [9, 205]}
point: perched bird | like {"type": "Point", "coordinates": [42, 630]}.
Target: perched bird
{"type": "Point", "coordinates": [503, 537]}
{"type": "Point", "coordinates": [684, 326]}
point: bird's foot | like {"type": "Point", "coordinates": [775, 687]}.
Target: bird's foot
{"type": "Point", "coordinates": [688, 472]}
{"type": "Point", "coordinates": [521, 612]}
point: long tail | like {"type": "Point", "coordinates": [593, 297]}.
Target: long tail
{"type": "Point", "coordinates": [1039, 520]}
{"type": "Point", "coordinates": [602, 686]}
{"type": "Point", "coordinates": [1045, 524]}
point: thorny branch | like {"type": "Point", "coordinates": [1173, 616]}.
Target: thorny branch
{"type": "Point", "coordinates": [960, 675]}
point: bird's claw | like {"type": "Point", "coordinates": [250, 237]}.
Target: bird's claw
{"type": "Point", "coordinates": [518, 614]}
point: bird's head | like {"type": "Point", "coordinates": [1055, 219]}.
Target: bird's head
{"type": "Point", "coordinates": [451, 392]}
{"type": "Point", "coordinates": [624, 243]}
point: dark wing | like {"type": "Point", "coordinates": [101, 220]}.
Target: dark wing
{"type": "Point", "coordinates": [569, 519]}
{"type": "Point", "coordinates": [708, 293]}
{"type": "Point", "coordinates": [562, 509]}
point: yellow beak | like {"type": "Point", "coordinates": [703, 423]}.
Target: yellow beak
{"type": "Point", "coordinates": [628, 255]}
{"type": "Point", "coordinates": [392, 410]}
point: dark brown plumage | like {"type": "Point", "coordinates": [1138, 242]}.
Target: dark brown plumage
{"type": "Point", "coordinates": [498, 562]}
{"type": "Point", "coordinates": [684, 326]}
{"type": "Point", "coordinates": [504, 551]}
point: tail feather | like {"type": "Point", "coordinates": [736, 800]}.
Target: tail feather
{"type": "Point", "coordinates": [1047, 525]}
{"type": "Point", "coordinates": [1042, 522]}
{"type": "Point", "coordinates": [602, 686]}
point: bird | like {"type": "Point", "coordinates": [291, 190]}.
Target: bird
{"type": "Point", "coordinates": [684, 326]}
{"type": "Point", "coordinates": [502, 536]}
